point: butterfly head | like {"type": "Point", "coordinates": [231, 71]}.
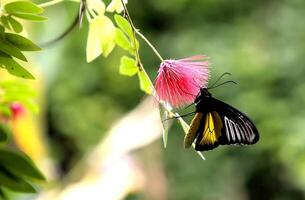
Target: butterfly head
{"type": "Point", "coordinates": [203, 93]}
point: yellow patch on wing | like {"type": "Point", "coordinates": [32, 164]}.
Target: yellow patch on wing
{"type": "Point", "coordinates": [212, 129]}
{"type": "Point", "coordinates": [191, 135]}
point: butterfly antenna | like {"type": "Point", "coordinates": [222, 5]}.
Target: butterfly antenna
{"type": "Point", "coordinates": [220, 77]}
{"type": "Point", "coordinates": [223, 84]}
{"type": "Point", "coordinates": [181, 116]}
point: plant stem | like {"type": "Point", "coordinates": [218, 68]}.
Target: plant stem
{"type": "Point", "coordinates": [150, 45]}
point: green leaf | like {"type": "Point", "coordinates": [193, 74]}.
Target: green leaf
{"type": "Point", "coordinates": [128, 66]}
{"type": "Point", "coordinates": [101, 37]}
{"type": "Point", "coordinates": [19, 163]}
{"type": "Point", "coordinates": [21, 42]}
{"type": "Point", "coordinates": [4, 22]}
{"type": "Point", "coordinates": [11, 181]}
{"type": "Point", "coordinates": [11, 50]}
{"type": "Point", "coordinates": [22, 7]}
{"type": "Point", "coordinates": [14, 68]}
{"type": "Point", "coordinates": [4, 133]}
{"type": "Point", "coordinates": [115, 5]}
{"type": "Point", "coordinates": [32, 17]}
{"type": "Point", "coordinates": [124, 25]}
{"type": "Point", "coordinates": [17, 27]}
{"type": "Point", "coordinates": [122, 41]}
{"type": "Point", "coordinates": [145, 83]}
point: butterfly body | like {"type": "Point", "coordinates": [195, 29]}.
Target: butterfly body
{"type": "Point", "coordinates": [217, 123]}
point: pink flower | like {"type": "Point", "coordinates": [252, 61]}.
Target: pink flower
{"type": "Point", "coordinates": [179, 81]}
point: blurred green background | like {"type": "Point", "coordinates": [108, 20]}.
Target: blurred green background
{"type": "Point", "coordinates": [261, 43]}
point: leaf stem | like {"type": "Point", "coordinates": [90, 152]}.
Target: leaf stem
{"type": "Point", "coordinates": [150, 45]}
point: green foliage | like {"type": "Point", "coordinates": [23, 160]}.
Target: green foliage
{"type": "Point", "coordinates": [17, 171]}
{"type": "Point", "coordinates": [145, 83]}
{"type": "Point", "coordinates": [128, 66]}
{"type": "Point", "coordinates": [22, 7]}
{"type": "Point", "coordinates": [12, 45]}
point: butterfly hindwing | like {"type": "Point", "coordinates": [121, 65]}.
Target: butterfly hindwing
{"type": "Point", "coordinates": [220, 124]}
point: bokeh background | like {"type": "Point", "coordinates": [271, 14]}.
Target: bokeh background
{"type": "Point", "coordinates": [261, 43]}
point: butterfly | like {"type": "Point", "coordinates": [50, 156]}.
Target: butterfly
{"type": "Point", "coordinates": [217, 123]}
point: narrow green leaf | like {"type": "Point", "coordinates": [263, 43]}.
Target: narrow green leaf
{"type": "Point", "coordinates": [4, 133]}
{"type": "Point", "coordinates": [4, 22]}
{"type": "Point", "coordinates": [165, 123]}
{"type": "Point", "coordinates": [13, 67]}
{"type": "Point", "coordinates": [17, 27]}
{"type": "Point", "coordinates": [11, 181]}
{"type": "Point", "coordinates": [123, 42]}
{"type": "Point", "coordinates": [145, 83]}
{"type": "Point", "coordinates": [32, 17]}
{"type": "Point", "coordinates": [21, 42]}
{"type": "Point", "coordinates": [20, 164]}
{"type": "Point", "coordinates": [128, 66]}
{"type": "Point", "coordinates": [1, 32]}
{"type": "Point", "coordinates": [124, 25]}
{"type": "Point", "coordinates": [23, 7]}
{"type": "Point", "coordinates": [11, 50]}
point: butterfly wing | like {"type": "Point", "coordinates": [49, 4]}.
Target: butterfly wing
{"type": "Point", "coordinates": [220, 124]}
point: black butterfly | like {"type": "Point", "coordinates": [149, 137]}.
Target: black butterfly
{"type": "Point", "coordinates": [217, 123]}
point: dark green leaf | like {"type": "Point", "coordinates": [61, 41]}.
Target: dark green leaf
{"type": "Point", "coordinates": [20, 164]}
{"type": "Point", "coordinates": [23, 7]}
{"type": "Point", "coordinates": [13, 67]}
{"type": "Point", "coordinates": [4, 22]}
{"type": "Point", "coordinates": [21, 42]}
{"type": "Point", "coordinates": [17, 27]}
{"type": "Point", "coordinates": [29, 16]}
{"type": "Point", "coordinates": [11, 50]}
{"type": "Point", "coordinates": [4, 133]}
{"type": "Point", "coordinates": [124, 25]}
{"type": "Point", "coordinates": [1, 32]}
{"type": "Point", "coordinates": [11, 181]}
{"type": "Point", "coordinates": [128, 66]}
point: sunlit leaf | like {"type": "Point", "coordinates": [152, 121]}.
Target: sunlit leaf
{"type": "Point", "coordinates": [31, 17]}
{"type": "Point", "coordinates": [19, 163]}
{"type": "Point", "coordinates": [96, 5]}
{"type": "Point", "coordinates": [13, 67]}
{"type": "Point", "coordinates": [116, 5]}
{"type": "Point", "coordinates": [101, 37]}
{"type": "Point", "coordinates": [124, 25]}
{"type": "Point", "coordinates": [123, 42]}
{"type": "Point", "coordinates": [11, 181]}
{"type": "Point", "coordinates": [17, 27]}
{"type": "Point", "coordinates": [21, 42]}
{"type": "Point", "coordinates": [11, 50]}
{"type": "Point", "coordinates": [22, 7]}
{"type": "Point", "coordinates": [145, 83]}
{"type": "Point", "coordinates": [128, 66]}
